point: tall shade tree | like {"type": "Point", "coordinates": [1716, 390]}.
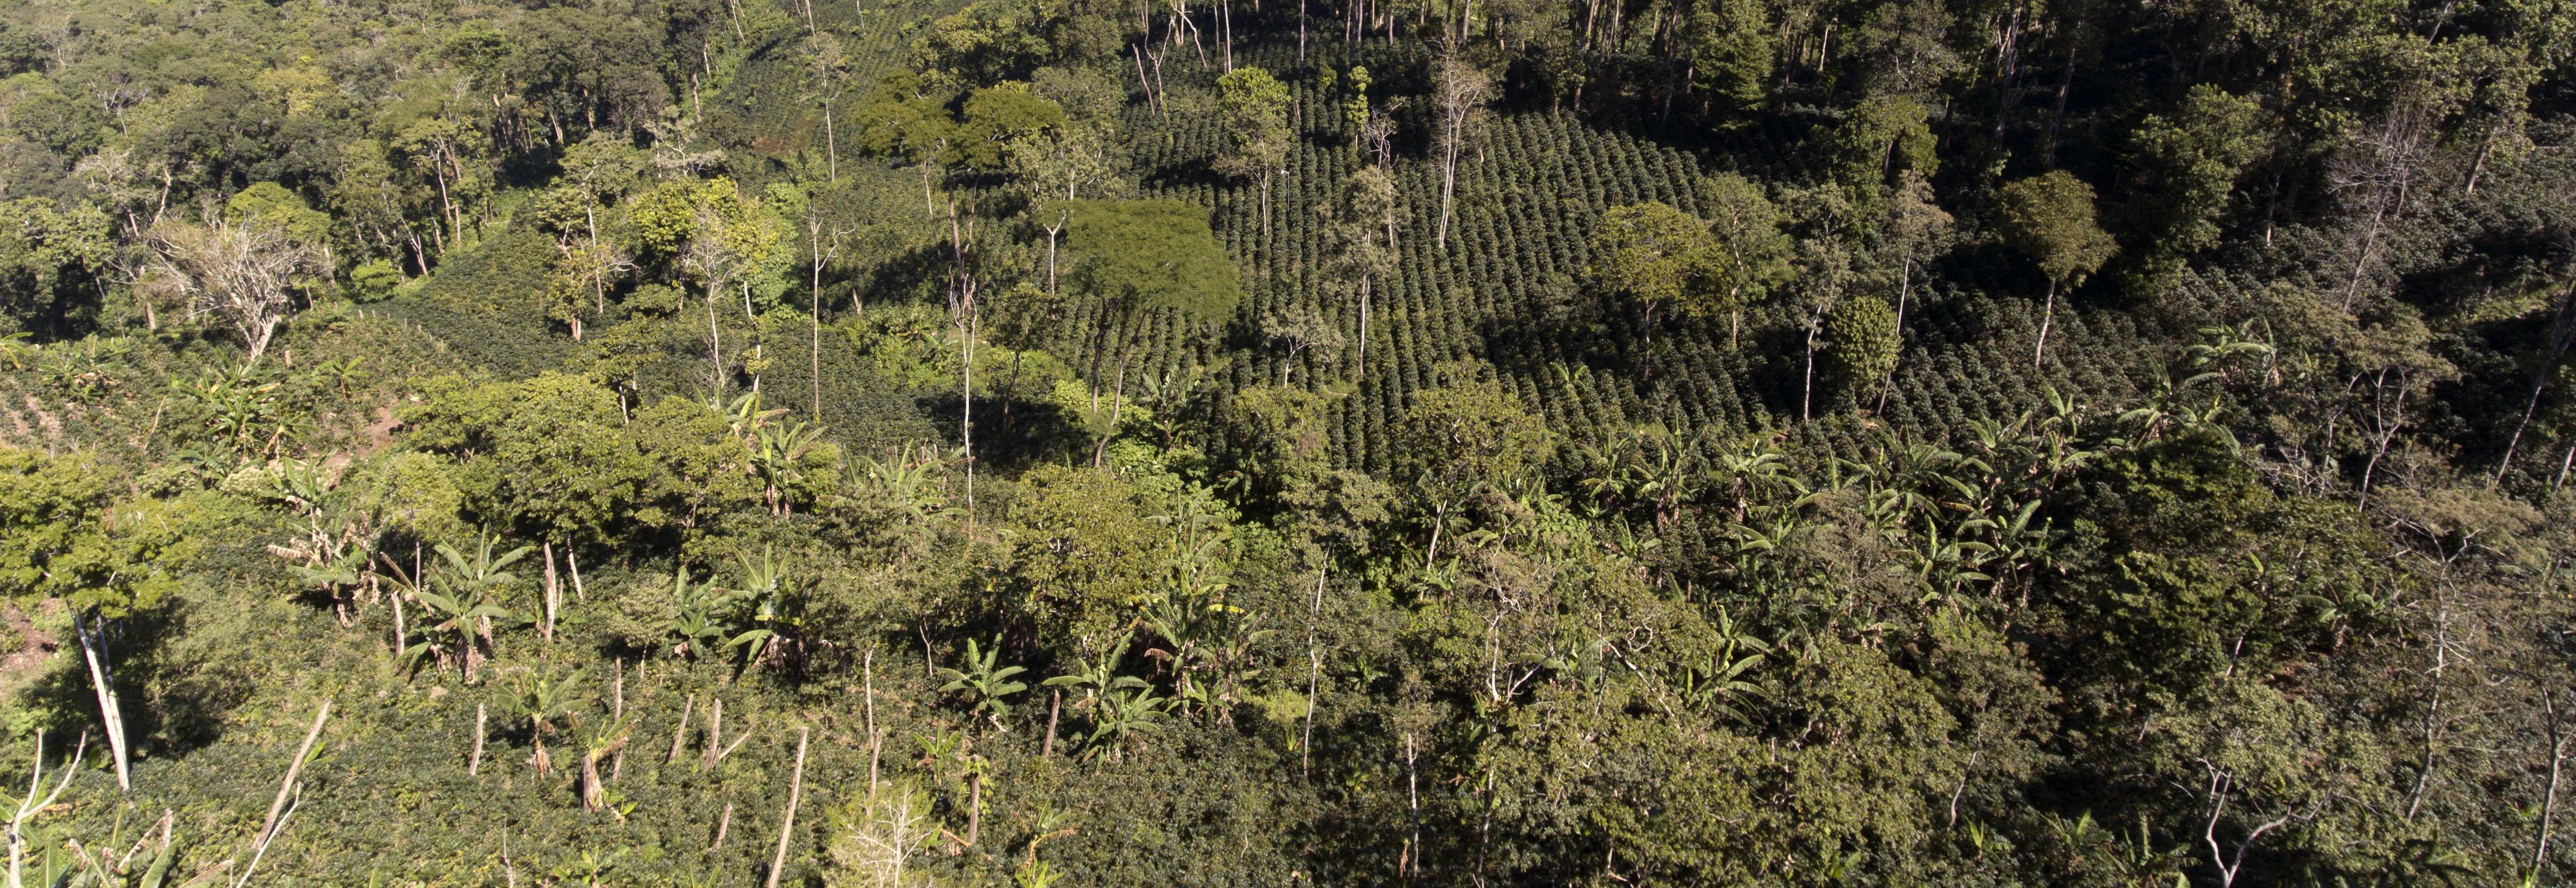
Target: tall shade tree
{"type": "Point", "coordinates": [64, 536]}
{"type": "Point", "coordinates": [244, 274]}
{"type": "Point", "coordinates": [1917, 229]}
{"type": "Point", "coordinates": [1465, 440]}
{"type": "Point", "coordinates": [1654, 255]}
{"type": "Point", "coordinates": [1299, 329]}
{"type": "Point", "coordinates": [368, 196]}
{"type": "Point", "coordinates": [720, 237]}
{"type": "Point", "coordinates": [901, 121]}
{"type": "Point", "coordinates": [1879, 140]}
{"type": "Point", "coordinates": [2049, 217]}
{"type": "Point", "coordinates": [1135, 256]}
{"type": "Point", "coordinates": [1359, 234]}
{"type": "Point", "coordinates": [1731, 56]}
{"type": "Point", "coordinates": [827, 65]}
{"type": "Point", "coordinates": [2189, 161]}
{"type": "Point", "coordinates": [1253, 108]}
{"type": "Point", "coordinates": [444, 146]}
{"type": "Point", "coordinates": [585, 263]}
{"type": "Point", "coordinates": [1862, 339]}
{"type": "Point", "coordinates": [1459, 92]}
{"type": "Point", "coordinates": [994, 117]}
{"type": "Point", "coordinates": [1056, 167]}
{"type": "Point", "coordinates": [272, 204]}
{"type": "Point", "coordinates": [1752, 256]}
{"type": "Point", "coordinates": [52, 262]}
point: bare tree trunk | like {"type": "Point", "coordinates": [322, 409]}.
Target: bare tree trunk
{"type": "Point", "coordinates": [876, 741]}
{"type": "Point", "coordinates": [268, 827]}
{"type": "Point", "coordinates": [28, 807]}
{"type": "Point", "coordinates": [2047, 316]}
{"type": "Point", "coordinates": [2433, 707]}
{"type": "Point", "coordinates": [928, 206]}
{"type": "Point", "coordinates": [1118, 401]}
{"type": "Point", "coordinates": [1052, 232]}
{"type": "Point", "coordinates": [814, 364]}
{"type": "Point", "coordinates": [1225, 28]}
{"type": "Point", "coordinates": [2562, 334]}
{"type": "Point", "coordinates": [715, 735]}
{"type": "Point", "coordinates": [1439, 520]}
{"type": "Point", "coordinates": [1409, 866]}
{"type": "Point", "coordinates": [1360, 371]}
{"type": "Point", "coordinates": [554, 591]}
{"type": "Point", "coordinates": [715, 345]}
{"type": "Point", "coordinates": [1807, 393]}
{"type": "Point", "coordinates": [1314, 671]}
{"type": "Point", "coordinates": [680, 735]}
{"type": "Point", "coordinates": [2558, 738]}
{"type": "Point", "coordinates": [2048, 151]}
{"type": "Point", "coordinates": [1054, 708]}
{"type": "Point", "coordinates": [402, 637]}
{"type": "Point", "coordinates": [110, 712]}
{"type": "Point", "coordinates": [617, 692]}
{"type": "Point", "coordinates": [2007, 54]}
{"type": "Point", "coordinates": [831, 145]}
{"type": "Point", "coordinates": [1904, 288]}
{"type": "Point", "coordinates": [787, 827]}
{"type": "Point", "coordinates": [474, 762]}
{"type": "Point", "coordinates": [1448, 191]}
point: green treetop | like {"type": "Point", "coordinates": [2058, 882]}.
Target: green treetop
{"type": "Point", "coordinates": [2049, 217]}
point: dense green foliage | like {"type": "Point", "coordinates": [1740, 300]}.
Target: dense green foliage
{"type": "Point", "coordinates": [1700, 442]}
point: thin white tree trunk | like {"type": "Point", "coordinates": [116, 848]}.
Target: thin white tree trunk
{"type": "Point", "coordinates": [715, 345]}
{"type": "Point", "coordinates": [111, 714]}
{"type": "Point", "coordinates": [787, 827]}
{"type": "Point", "coordinates": [1314, 671]}
{"type": "Point", "coordinates": [2047, 316]}
{"type": "Point", "coordinates": [1361, 371]}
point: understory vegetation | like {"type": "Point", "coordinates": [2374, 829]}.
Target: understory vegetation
{"type": "Point", "coordinates": [1343, 442]}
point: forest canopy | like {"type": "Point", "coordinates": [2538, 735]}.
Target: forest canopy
{"type": "Point", "coordinates": [1058, 443]}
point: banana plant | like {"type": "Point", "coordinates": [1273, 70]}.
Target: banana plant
{"type": "Point", "coordinates": [480, 578]}
{"type": "Point", "coordinates": [986, 685]}
{"type": "Point", "coordinates": [909, 480]}
{"type": "Point", "coordinates": [695, 625]}
{"type": "Point", "coordinates": [335, 576]}
{"type": "Point", "coordinates": [456, 631]}
{"type": "Point", "coordinates": [1570, 378]}
{"type": "Point", "coordinates": [590, 869]}
{"type": "Point", "coordinates": [599, 738]}
{"type": "Point", "coordinates": [1715, 688]}
{"type": "Point", "coordinates": [239, 410]}
{"type": "Point", "coordinates": [1667, 471]}
{"type": "Point", "coordinates": [1124, 716]}
{"type": "Point", "coordinates": [342, 374]}
{"type": "Point", "coordinates": [2225, 346]}
{"type": "Point", "coordinates": [764, 620]}
{"type": "Point", "coordinates": [1942, 566]}
{"type": "Point", "coordinates": [744, 416]}
{"type": "Point", "coordinates": [545, 701]}
{"type": "Point", "coordinates": [1601, 470]}
{"type": "Point", "coordinates": [1119, 706]}
{"type": "Point", "coordinates": [776, 453]}
{"type": "Point", "coordinates": [90, 369]}
{"type": "Point", "coordinates": [1754, 471]}
{"type": "Point", "coordinates": [464, 600]}
{"type": "Point", "coordinates": [1164, 395]}
{"type": "Point", "coordinates": [483, 574]}
{"type": "Point", "coordinates": [1098, 678]}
